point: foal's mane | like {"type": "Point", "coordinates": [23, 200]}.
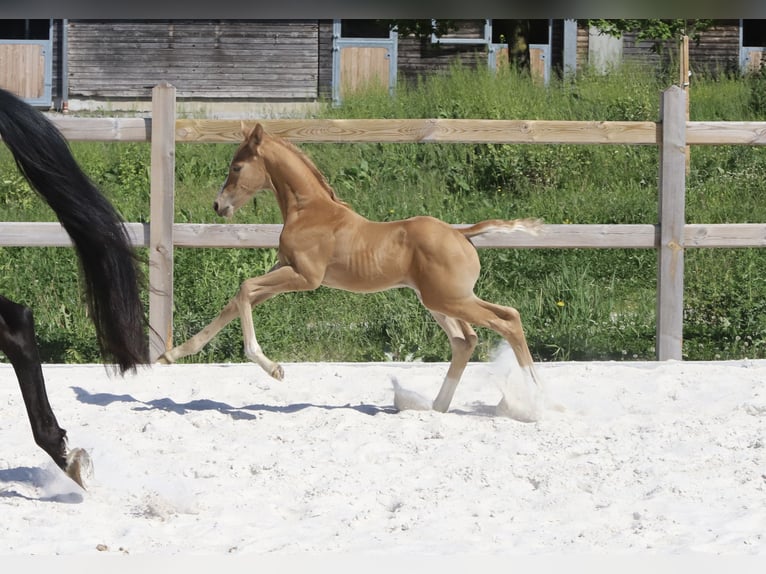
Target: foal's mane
{"type": "Point", "coordinates": [312, 168]}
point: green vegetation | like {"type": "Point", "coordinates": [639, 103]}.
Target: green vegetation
{"type": "Point", "coordinates": [576, 304]}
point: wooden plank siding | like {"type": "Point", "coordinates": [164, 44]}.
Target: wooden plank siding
{"type": "Point", "coordinates": [583, 40]}
{"type": "Point", "coordinates": [718, 49]}
{"type": "Point", "coordinates": [277, 59]}
{"type": "Point", "coordinates": [58, 63]}
{"type": "Point", "coordinates": [716, 52]}
{"type": "Point", "coordinates": [419, 57]}
{"type": "Point", "coordinates": [286, 60]}
{"type": "Point", "coordinates": [324, 76]}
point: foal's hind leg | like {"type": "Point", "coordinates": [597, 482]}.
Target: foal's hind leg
{"type": "Point", "coordinates": [506, 321]}
{"type": "Point", "coordinates": [462, 339]}
{"type": "Point", "coordinates": [17, 341]}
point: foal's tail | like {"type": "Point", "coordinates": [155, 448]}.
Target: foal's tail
{"type": "Point", "coordinates": [108, 263]}
{"type": "Point", "coordinates": [532, 226]}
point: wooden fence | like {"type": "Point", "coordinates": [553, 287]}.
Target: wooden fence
{"type": "Point", "coordinates": [671, 235]}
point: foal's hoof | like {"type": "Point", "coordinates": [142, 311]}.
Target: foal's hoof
{"type": "Point", "coordinates": [278, 372]}
{"type": "Point", "coordinates": [79, 466]}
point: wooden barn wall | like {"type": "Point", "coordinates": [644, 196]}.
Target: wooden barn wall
{"type": "Point", "coordinates": [583, 43]}
{"type": "Point", "coordinates": [466, 29]}
{"type": "Point", "coordinates": [717, 51]}
{"type": "Point", "coordinates": [325, 60]}
{"type": "Point", "coordinates": [261, 59]}
{"type": "Point", "coordinates": [285, 59]}
{"type": "Point", "coordinates": [57, 66]}
{"type": "Point", "coordinates": [422, 58]}
{"type": "Point", "coordinates": [640, 51]}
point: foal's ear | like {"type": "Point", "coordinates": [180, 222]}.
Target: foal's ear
{"type": "Point", "coordinates": [245, 130]}
{"type": "Point", "coordinates": [254, 135]}
{"type": "Point", "coordinates": [257, 134]}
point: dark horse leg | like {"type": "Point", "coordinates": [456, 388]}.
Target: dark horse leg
{"type": "Point", "coordinates": [17, 341]}
{"type": "Point", "coordinates": [109, 268]}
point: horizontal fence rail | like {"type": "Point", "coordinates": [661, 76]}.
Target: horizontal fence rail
{"type": "Point", "coordinates": [552, 236]}
{"type": "Point", "coordinates": [418, 131]}
{"type": "Point", "coordinates": [670, 236]}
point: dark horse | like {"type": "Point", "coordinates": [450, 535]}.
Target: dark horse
{"type": "Point", "coordinates": [108, 265]}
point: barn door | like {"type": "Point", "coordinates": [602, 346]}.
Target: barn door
{"type": "Point", "coordinates": [539, 62]}
{"type": "Point", "coordinates": [360, 63]}
{"type": "Point", "coordinates": [752, 59]}
{"type": "Point", "coordinates": [499, 56]}
{"type": "Point", "coordinates": [752, 44]}
{"type": "Point", "coordinates": [26, 60]}
{"type": "Point", "coordinates": [540, 58]}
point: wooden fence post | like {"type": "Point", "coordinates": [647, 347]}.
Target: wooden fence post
{"type": "Point", "coordinates": [161, 219]}
{"type": "Point", "coordinates": [672, 184]}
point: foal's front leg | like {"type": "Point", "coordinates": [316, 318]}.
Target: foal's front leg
{"type": "Point", "coordinates": [251, 293]}
{"type": "Point", "coordinates": [249, 296]}
{"type": "Point", "coordinates": [255, 291]}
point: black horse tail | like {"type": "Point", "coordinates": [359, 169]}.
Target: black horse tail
{"type": "Point", "coordinates": [109, 265]}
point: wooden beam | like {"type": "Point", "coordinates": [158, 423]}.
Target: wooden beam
{"type": "Point", "coordinates": [670, 273]}
{"type": "Point", "coordinates": [426, 131]}
{"type": "Point", "coordinates": [104, 129]}
{"type": "Point", "coordinates": [420, 130]}
{"type": "Point", "coordinates": [726, 133]}
{"type": "Point", "coordinates": [553, 236]}
{"type": "Point", "coordinates": [162, 213]}
{"type": "Point", "coordinates": [52, 234]}
{"type": "Point", "coordinates": [241, 235]}
{"type": "Point", "coordinates": [728, 235]}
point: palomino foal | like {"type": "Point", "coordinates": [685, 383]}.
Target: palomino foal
{"type": "Point", "coordinates": [324, 242]}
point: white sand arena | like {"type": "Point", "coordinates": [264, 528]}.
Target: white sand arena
{"type": "Point", "coordinates": [220, 459]}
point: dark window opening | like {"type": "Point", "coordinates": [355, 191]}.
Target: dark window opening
{"type": "Point", "coordinates": [516, 32]}
{"type": "Point", "coordinates": [25, 29]}
{"type": "Point", "coordinates": [363, 29]}
{"type": "Point", "coordinates": [754, 33]}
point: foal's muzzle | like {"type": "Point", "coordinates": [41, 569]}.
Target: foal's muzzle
{"type": "Point", "coordinates": [223, 211]}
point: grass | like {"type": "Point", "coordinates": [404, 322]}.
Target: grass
{"type": "Point", "coordinates": [576, 304]}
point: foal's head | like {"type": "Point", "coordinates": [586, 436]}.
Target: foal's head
{"type": "Point", "coordinates": [247, 174]}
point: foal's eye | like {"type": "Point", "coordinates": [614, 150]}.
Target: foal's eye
{"type": "Point", "coordinates": [236, 168]}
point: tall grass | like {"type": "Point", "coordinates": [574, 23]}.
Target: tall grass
{"type": "Point", "coordinates": [576, 304]}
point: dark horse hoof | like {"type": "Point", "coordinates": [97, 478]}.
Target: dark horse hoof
{"type": "Point", "coordinates": [79, 466]}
